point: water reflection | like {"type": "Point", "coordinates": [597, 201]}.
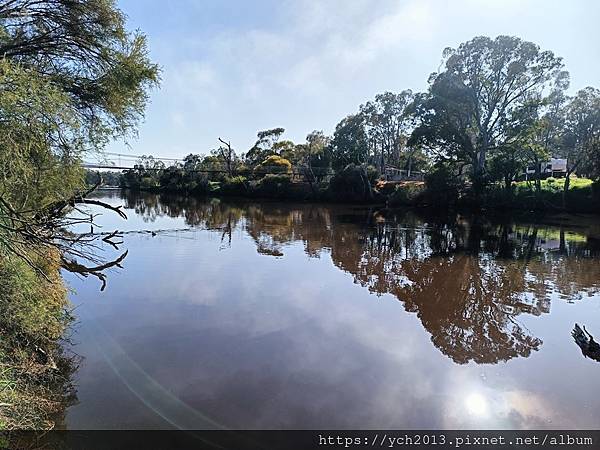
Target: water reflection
{"type": "Point", "coordinates": [270, 315]}
{"type": "Point", "coordinates": [467, 279]}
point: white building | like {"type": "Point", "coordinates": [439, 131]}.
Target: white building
{"type": "Point", "coordinates": [556, 167]}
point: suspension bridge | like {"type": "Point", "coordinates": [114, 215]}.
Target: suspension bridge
{"type": "Point", "coordinates": [124, 161]}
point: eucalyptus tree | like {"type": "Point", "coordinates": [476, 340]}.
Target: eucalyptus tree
{"type": "Point", "coordinates": [350, 143]}
{"type": "Point", "coordinates": [581, 137]}
{"type": "Point", "coordinates": [387, 125]}
{"type": "Point", "coordinates": [472, 105]}
{"type": "Point", "coordinates": [317, 157]}
{"type": "Point", "coordinates": [263, 147]}
{"type": "Point", "coordinates": [543, 138]}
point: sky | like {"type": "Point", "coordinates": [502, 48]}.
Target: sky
{"type": "Point", "coordinates": [232, 68]}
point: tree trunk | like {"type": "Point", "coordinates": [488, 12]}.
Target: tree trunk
{"type": "Point", "coordinates": [507, 183]}
{"type": "Point", "coordinates": [367, 185]}
{"type": "Point", "coordinates": [566, 189]}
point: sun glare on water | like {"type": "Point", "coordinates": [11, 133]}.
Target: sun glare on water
{"type": "Point", "coordinates": [476, 404]}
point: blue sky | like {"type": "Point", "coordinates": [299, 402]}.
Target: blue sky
{"type": "Point", "coordinates": [231, 68]}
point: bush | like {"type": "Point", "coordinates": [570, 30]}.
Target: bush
{"type": "Point", "coordinates": [442, 186]}
{"type": "Point", "coordinates": [351, 184]}
{"type": "Point", "coordinates": [237, 185]}
{"type": "Point", "coordinates": [197, 183]}
{"type": "Point", "coordinates": [410, 193]}
{"type": "Point", "coordinates": [274, 164]}
{"type": "Point", "coordinates": [34, 372]}
{"type": "Point", "coordinates": [372, 174]}
{"type": "Point", "coordinates": [273, 185]}
{"type": "Point", "coordinates": [32, 308]}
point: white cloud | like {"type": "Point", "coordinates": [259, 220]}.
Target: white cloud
{"type": "Point", "coordinates": [305, 64]}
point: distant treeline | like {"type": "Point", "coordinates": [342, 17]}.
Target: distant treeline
{"type": "Point", "coordinates": [497, 107]}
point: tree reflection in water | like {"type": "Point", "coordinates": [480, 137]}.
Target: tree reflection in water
{"type": "Point", "coordinates": [467, 279]}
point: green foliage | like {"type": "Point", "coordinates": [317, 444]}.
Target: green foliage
{"type": "Point", "coordinates": [350, 142]}
{"type": "Point", "coordinates": [152, 175]}
{"type": "Point", "coordinates": [581, 134]}
{"type": "Point", "coordinates": [353, 183]}
{"type": "Point", "coordinates": [265, 146]}
{"type": "Point", "coordinates": [107, 178]}
{"type": "Point", "coordinates": [386, 124]}
{"type": "Point", "coordinates": [407, 194]}
{"type": "Point", "coordinates": [177, 179]}
{"type": "Point", "coordinates": [71, 79]}
{"type": "Point", "coordinates": [32, 308]}
{"type": "Point", "coordinates": [273, 185]}
{"type": "Point", "coordinates": [557, 184]}
{"type": "Point", "coordinates": [314, 156]}
{"type": "Point", "coordinates": [35, 169]}
{"type": "Point", "coordinates": [525, 195]}
{"type": "Point", "coordinates": [33, 317]}
{"type": "Point", "coordinates": [84, 50]}
{"type": "Point", "coordinates": [237, 185]}
{"type": "Point", "coordinates": [442, 185]}
{"type": "Point", "coordinates": [274, 164]}
{"type": "Point", "coordinates": [487, 98]}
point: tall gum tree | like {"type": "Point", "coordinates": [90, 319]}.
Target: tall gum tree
{"type": "Point", "coordinates": [387, 124]}
{"type": "Point", "coordinates": [471, 106]}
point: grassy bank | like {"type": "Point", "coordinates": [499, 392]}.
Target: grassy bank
{"type": "Point", "coordinates": [440, 189]}
{"type": "Point", "coordinates": [583, 196]}
{"type": "Point", "coordinates": [34, 371]}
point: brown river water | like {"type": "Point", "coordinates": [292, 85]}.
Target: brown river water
{"type": "Point", "coordinates": [265, 315]}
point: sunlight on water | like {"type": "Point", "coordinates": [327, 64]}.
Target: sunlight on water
{"type": "Point", "coordinates": [476, 404]}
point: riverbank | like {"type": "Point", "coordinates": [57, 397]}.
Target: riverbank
{"type": "Point", "coordinates": [581, 198]}
{"type": "Point", "coordinates": [34, 370]}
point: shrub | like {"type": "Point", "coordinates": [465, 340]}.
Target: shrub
{"type": "Point", "coordinates": [407, 194]}
{"type": "Point", "coordinates": [274, 164]}
{"type": "Point", "coordinates": [273, 185]}
{"type": "Point", "coordinates": [34, 371]}
{"type": "Point", "coordinates": [372, 174]}
{"type": "Point", "coordinates": [442, 186]}
{"type": "Point", "coordinates": [352, 183]}
{"type": "Point", "coordinates": [198, 183]}
{"type": "Point", "coordinates": [237, 185]}
{"type": "Point", "coordinates": [32, 308]}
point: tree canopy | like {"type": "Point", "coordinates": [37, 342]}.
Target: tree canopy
{"type": "Point", "coordinates": [71, 79]}
{"type": "Point", "coordinates": [479, 102]}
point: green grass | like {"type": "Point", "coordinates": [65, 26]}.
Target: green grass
{"type": "Point", "coordinates": [557, 184]}
{"type": "Point", "coordinates": [580, 196]}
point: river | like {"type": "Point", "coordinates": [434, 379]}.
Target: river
{"type": "Point", "coordinates": [265, 315]}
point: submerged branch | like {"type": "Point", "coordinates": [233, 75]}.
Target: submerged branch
{"type": "Point", "coordinates": [77, 268]}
